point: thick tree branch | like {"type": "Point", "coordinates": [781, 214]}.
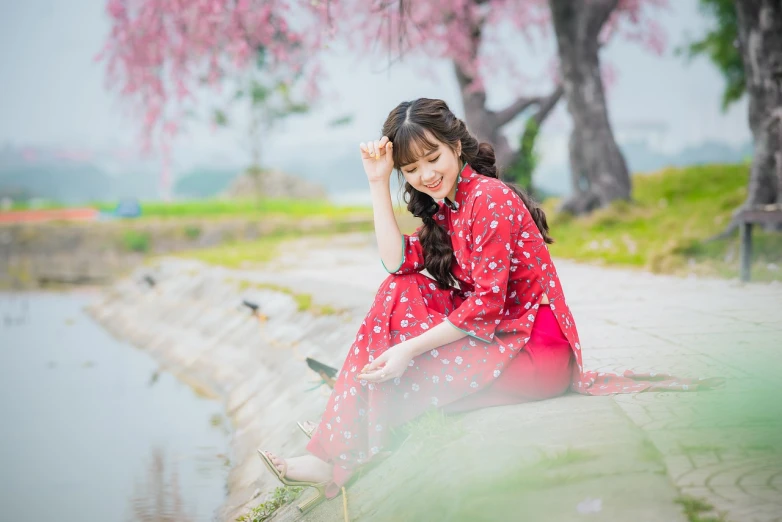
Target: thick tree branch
{"type": "Point", "coordinates": [514, 109]}
{"type": "Point", "coordinates": [547, 104]}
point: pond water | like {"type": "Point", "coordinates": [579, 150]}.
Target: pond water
{"type": "Point", "coordinates": [92, 430]}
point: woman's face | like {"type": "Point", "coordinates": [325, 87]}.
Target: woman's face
{"type": "Point", "coordinates": [435, 171]}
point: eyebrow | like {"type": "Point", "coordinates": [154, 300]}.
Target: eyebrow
{"type": "Point", "coordinates": [425, 154]}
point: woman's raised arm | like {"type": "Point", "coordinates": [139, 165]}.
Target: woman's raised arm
{"type": "Point", "coordinates": [378, 163]}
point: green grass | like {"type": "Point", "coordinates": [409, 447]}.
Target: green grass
{"type": "Point", "coordinates": [136, 241]}
{"type": "Point", "coordinates": [238, 254]}
{"type": "Point", "coordinates": [303, 301]}
{"type": "Point", "coordinates": [217, 208]}
{"type": "Point", "coordinates": [264, 511]}
{"type": "Point", "coordinates": [435, 427]}
{"type": "Point", "coordinates": [665, 229]}
{"type": "Point", "coordinates": [694, 509]}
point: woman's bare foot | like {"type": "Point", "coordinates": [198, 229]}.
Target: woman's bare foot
{"type": "Point", "coordinates": [307, 468]}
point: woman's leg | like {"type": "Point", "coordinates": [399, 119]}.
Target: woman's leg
{"type": "Point", "coordinates": [542, 370]}
{"type": "Point", "coordinates": [356, 423]}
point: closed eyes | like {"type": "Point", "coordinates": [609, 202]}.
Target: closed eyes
{"type": "Point", "coordinates": [430, 161]}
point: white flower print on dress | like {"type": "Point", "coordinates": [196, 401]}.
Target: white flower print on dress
{"type": "Point", "coordinates": [403, 299]}
{"type": "Point", "coordinates": [424, 326]}
{"type": "Point", "coordinates": [404, 323]}
{"type": "Point", "coordinates": [496, 373]}
{"type": "Point", "coordinates": [449, 378]}
{"type": "Point", "coordinates": [435, 379]}
{"type": "Point", "coordinates": [376, 329]}
{"type": "Point", "coordinates": [492, 265]}
{"type": "Point", "coordinates": [416, 387]}
{"type": "Point", "coordinates": [458, 360]}
{"type": "Point", "coordinates": [493, 224]}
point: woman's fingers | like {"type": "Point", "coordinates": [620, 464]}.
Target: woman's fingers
{"type": "Point", "coordinates": [375, 376]}
{"type": "Point", "coordinates": [374, 365]}
{"type": "Point", "coordinates": [377, 148]}
{"type": "Point", "coordinates": [364, 150]}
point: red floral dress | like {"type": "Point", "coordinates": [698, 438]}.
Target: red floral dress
{"type": "Point", "coordinates": [503, 268]}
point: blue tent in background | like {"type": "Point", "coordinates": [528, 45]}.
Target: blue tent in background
{"type": "Point", "coordinates": [128, 208]}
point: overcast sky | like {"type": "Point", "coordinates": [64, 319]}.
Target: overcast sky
{"type": "Point", "coordinates": [53, 94]}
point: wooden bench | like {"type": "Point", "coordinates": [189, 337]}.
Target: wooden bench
{"type": "Point", "coordinates": [759, 215]}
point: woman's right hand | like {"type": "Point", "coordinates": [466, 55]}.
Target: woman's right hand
{"type": "Point", "coordinates": [378, 159]}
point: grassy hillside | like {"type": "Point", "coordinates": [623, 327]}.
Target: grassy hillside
{"type": "Point", "coordinates": [666, 226]}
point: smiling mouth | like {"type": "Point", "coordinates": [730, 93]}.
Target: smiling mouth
{"type": "Point", "coordinates": [436, 185]}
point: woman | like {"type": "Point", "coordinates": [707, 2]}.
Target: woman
{"type": "Point", "coordinates": [504, 335]}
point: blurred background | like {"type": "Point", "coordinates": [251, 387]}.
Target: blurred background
{"type": "Point", "coordinates": [215, 131]}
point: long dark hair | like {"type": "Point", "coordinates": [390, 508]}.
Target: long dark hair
{"type": "Point", "coordinates": [411, 127]}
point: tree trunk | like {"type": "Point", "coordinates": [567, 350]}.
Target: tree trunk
{"type": "Point", "coordinates": [599, 173]}
{"type": "Point", "coordinates": [760, 38]}
{"type": "Point", "coordinates": [485, 124]}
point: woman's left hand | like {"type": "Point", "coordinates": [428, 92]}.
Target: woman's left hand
{"type": "Point", "coordinates": [390, 365]}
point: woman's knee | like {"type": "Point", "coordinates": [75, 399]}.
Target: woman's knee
{"type": "Point", "coordinates": [402, 281]}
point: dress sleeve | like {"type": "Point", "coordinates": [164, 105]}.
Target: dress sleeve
{"type": "Point", "coordinates": [492, 221]}
{"type": "Point", "coordinates": [412, 256]}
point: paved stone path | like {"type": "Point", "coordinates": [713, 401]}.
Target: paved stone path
{"type": "Point", "coordinates": [725, 446]}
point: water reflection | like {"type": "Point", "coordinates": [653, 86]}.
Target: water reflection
{"type": "Point", "coordinates": [157, 497]}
